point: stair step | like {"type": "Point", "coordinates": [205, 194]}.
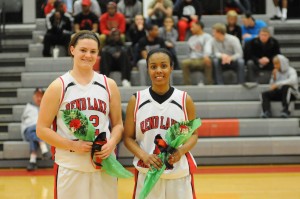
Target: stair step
{"type": "Point", "coordinates": [6, 110]}
{"type": "Point", "coordinates": [3, 128]}
{"type": "Point", "coordinates": [11, 69]}
{"type": "Point", "coordinates": [10, 85]}
{"type": "Point", "coordinates": [4, 77]}
{"type": "Point", "coordinates": [8, 93]}
{"type": "Point", "coordinates": [6, 62]}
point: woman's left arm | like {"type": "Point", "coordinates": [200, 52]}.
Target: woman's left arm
{"type": "Point", "coordinates": [186, 147]}
{"type": "Point", "coordinates": [115, 120]}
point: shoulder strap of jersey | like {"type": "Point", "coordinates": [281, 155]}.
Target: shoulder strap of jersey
{"type": "Point", "coordinates": [137, 103]}
{"type": "Point", "coordinates": [62, 94]}
{"type": "Point", "coordinates": [106, 85]}
{"type": "Point", "coordinates": [184, 105]}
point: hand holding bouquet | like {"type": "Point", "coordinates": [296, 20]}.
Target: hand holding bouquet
{"type": "Point", "coordinates": [81, 128]}
{"type": "Point", "coordinates": [176, 135]}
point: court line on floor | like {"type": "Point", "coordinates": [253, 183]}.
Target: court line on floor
{"type": "Point", "coordinates": [200, 170]}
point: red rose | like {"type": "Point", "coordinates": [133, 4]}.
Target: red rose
{"type": "Point", "coordinates": [75, 123]}
{"type": "Point", "coordinates": [183, 128]}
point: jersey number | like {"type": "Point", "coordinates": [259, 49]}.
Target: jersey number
{"type": "Point", "coordinates": [95, 121]}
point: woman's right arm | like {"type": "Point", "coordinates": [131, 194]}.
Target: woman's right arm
{"type": "Point", "coordinates": [129, 138]}
{"type": "Point", "coordinates": [48, 110]}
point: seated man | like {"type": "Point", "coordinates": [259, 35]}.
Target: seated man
{"type": "Point", "coordinates": [227, 54]}
{"type": "Point", "coordinates": [251, 27]}
{"type": "Point", "coordinates": [283, 87]}
{"type": "Point", "coordinates": [200, 50]}
{"type": "Point", "coordinates": [114, 58]}
{"type": "Point", "coordinates": [94, 7]}
{"type": "Point", "coordinates": [59, 29]}
{"type": "Point", "coordinates": [158, 10]}
{"type": "Point", "coordinates": [28, 129]}
{"type": "Point", "coordinates": [259, 53]}
{"type": "Point", "coordinates": [86, 20]}
{"type": "Point", "coordinates": [112, 20]}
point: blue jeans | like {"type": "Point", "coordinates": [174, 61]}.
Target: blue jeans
{"type": "Point", "coordinates": [31, 137]}
{"type": "Point", "coordinates": [238, 66]}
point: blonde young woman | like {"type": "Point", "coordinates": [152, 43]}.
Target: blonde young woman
{"type": "Point", "coordinates": [95, 95]}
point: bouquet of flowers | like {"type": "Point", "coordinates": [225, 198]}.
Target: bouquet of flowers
{"type": "Point", "coordinates": [176, 135]}
{"type": "Point", "coordinates": [80, 126]}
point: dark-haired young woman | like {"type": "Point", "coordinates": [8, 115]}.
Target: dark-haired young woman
{"type": "Point", "coordinates": [95, 95]}
{"type": "Point", "coordinates": [150, 112]}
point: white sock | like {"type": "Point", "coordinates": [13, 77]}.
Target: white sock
{"type": "Point", "coordinates": [43, 147]}
{"type": "Point", "coordinates": [32, 158]}
{"type": "Point", "coordinates": [277, 11]}
{"type": "Point", "coordinates": [284, 13]}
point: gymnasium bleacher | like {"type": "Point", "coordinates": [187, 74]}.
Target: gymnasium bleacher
{"type": "Point", "coordinates": [231, 133]}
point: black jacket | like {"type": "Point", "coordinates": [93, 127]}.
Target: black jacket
{"type": "Point", "coordinates": [255, 49]}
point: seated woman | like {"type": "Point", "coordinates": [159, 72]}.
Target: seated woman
{"type": "Point", "coordinates": [114, 58]}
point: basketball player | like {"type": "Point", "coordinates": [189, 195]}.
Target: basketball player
{"type": "Point", "coordinates": [95, 95]}
{"type": "Point", "coordinates": [151, 112]}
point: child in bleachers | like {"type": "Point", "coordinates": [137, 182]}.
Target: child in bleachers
{"type": "Point", "coordinates": [170, 35]}
{"type": "Point", "coordinates": [283, 87]}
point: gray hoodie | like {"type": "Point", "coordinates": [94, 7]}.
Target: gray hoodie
{"type": "Point", "coordinates": [286, 76]}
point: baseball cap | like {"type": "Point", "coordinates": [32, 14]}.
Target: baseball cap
{"type": "Point", "coordinates": [38, 90]}
{"type": "Point", "coordinates": [86, 2]}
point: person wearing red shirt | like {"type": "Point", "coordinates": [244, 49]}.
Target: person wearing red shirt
{"type": "Point", "coordinates": [112, 20]}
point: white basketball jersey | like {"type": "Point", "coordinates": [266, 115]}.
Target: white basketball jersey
{"type": "Point", "coordinates": [93, 101]}
{"type": "Point", "coordinates": [152, 118]}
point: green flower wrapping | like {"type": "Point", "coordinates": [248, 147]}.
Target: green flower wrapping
{"type": "Point", "coordinates": [83, 129]}
{"type": "Point", "coordinates": [79, 125]}
{"type": "Point", "coordinates": [175, 136]}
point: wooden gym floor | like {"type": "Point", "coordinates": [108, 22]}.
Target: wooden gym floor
{"type": "Point", "coordinates": [226, 182]}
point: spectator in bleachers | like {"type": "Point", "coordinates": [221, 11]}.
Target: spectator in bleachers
{"type": "Point", "coordinates": [136, 32]}
{"type": "Point", "coordinates": [199, 57]}
{"type": "Point", "coordinates": [94, 7]}
{"type": "Point", "coordinates": [283, 87]}
{"type": "Point", "coordinates": [158, 10]}
{"type": "Point", "coordinates": [259, 53]}
{"type": "Point", "coordinates": [188, 12]}
{"type": "Point", "coordinates": [147, 43]}
{"type": "Point", "coordinates": [280, 14]}
{"type": "Point", "coordinates": [86, 20]}
{"type": "Point", "coordinates": [170, 35]}
{"type": "Point", "coordinates": [28, 129]}
{"type": "Point", "coordinates": [228, 54]}
{"type": "Point", "coordinates": [251, 27]}
{"type": "Point", "coordinates": [130, 8]}
{"type": "Point", "coordinates": [112, 20]}
{"type": "Point", "coordinates": [103, 4]}
{"type": "Point", "coordinates": [114, 57]}
{"type": "Point", "coordinates": [50, 6]}
{"type": "Point", "coordinates": [59, 29]}
{"type": "Point", "coordinates": [232, 27]}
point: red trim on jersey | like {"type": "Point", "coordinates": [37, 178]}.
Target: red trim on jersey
{"type": "Point", "coordinates": [63, 90]}
{"type": "Point", "coordinates": [55, 168]}
{"type": "Point", "coordinates": [54, 128]}
{"type": "Point", "coordinates": [136, 174]}
{"type": "Point", "coordinates": [193, 186]}
{"type": "Point", "coordinates": [191, 162]}
{"type": "Point", "coordinates": [193, 169]}
{"type": "Point", "coordinates": [137, 105]}
{"type": "Point", "coordinates": [107, 88]}
{"type": "Point", "coordinates": [183, 105]}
